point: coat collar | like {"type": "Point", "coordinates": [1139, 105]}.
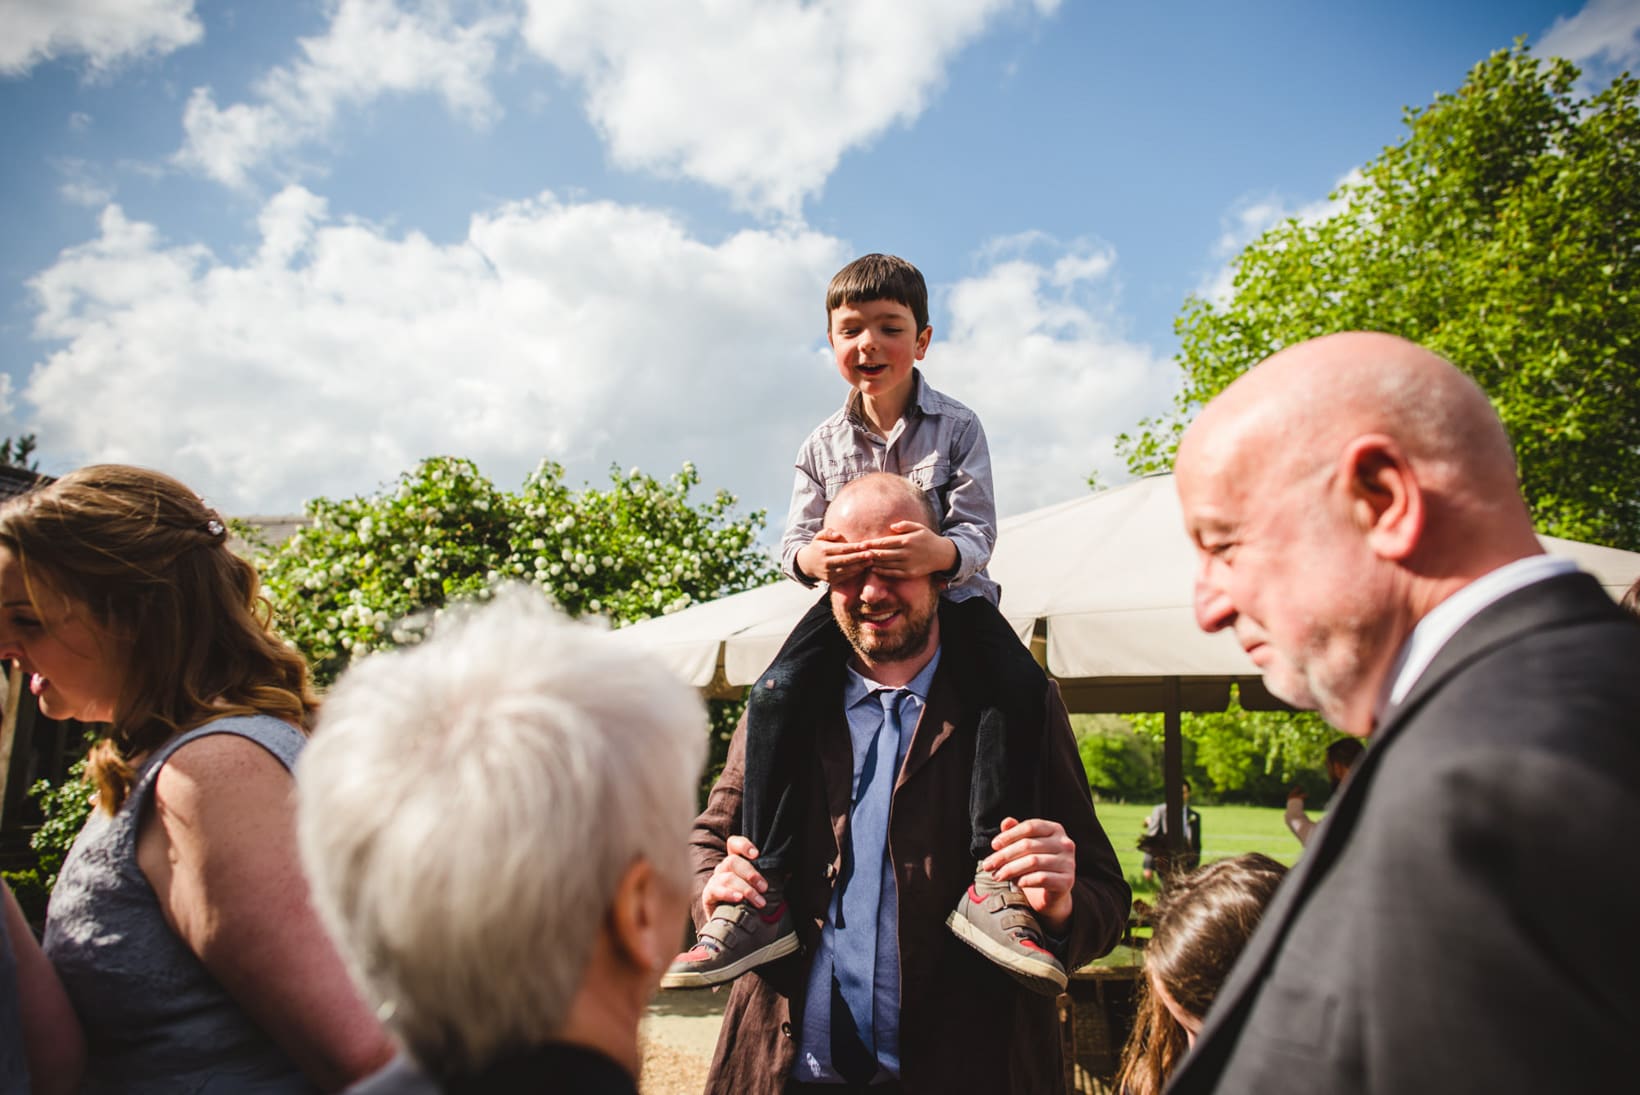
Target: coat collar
{"type": "Point", "coordinates": [1553, 602]}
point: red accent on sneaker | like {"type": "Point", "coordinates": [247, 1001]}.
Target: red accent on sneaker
{"type": "Point", "coordinates": [694, 954]}
{"type": "Point", "coordinates": [1033, 946]}
{"type": "Point", "coordinates": [769, 916]}
{"type": "Point", "coordinates": [973, 895]}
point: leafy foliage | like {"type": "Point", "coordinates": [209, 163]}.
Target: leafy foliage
{"type": "Point", "coordinates": [17, 453]}
{"type": "Point", "coordinates": [1234, 755]}
{"type": "Point", "coordinates": [65, 806]}
{"type": "Point", "coordinates": [1503, 232]}
{"type": "Point", "coordinates": [1120, 764]}
{"type": "Point", "coordinates": [369, 571]}
{"type": "Point", "coordinates": [1248, 756]}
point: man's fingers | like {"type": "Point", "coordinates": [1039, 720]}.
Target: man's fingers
{"type": "Point", "coordinates": [741, 846]}
{"type": "Point", "coordinates": [1035, 827]}
{"type": "Point", "coordinates": [734, 880]}
{"type": "Point", "coordinates": [1044, 880]}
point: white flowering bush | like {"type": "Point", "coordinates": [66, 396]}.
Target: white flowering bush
{"type": "Point", "coordinates": [371, 572]}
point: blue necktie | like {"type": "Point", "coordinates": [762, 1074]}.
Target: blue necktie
{"type": "Point", "coordinates": [854, 960]}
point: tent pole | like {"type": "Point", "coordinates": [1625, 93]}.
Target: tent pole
{"type": "Point", "coordinates": [1173, 773]}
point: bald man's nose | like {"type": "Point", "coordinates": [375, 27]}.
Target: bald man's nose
{"type": "Point", "coordinates": [1213, 608]}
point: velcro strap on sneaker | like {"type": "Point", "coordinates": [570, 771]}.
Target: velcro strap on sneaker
{"type": "Point", "coordinates": [725, 923]}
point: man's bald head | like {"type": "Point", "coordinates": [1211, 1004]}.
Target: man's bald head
{"type": "Point", "coordinates": [884, 498]}
{"type": "Point", "coordinates": [1336, 493]}
{"type": "Point", "coordinates": [1299, 408]}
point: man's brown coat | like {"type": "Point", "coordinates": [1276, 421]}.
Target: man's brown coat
{"type": "Point", "coordinates": [964, 1025]}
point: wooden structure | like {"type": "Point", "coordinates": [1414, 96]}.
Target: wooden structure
{"type": "Point", "coordinates": [32, 747]}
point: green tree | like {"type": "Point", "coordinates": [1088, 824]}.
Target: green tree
{"type": "Point", "coordinates": [1503, 232]}
{"type": "Point", "coordinates": [1120, 764]}
{"type": "Point", "coordinates": [17, 453]}
{"type": "Point", "coordinates": [369, 572]}
{"type": "Point", "coordinates": [1247, 756]}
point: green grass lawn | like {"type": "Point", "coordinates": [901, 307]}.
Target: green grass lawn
{"type": "Point", "coordinates": [1226, 831]}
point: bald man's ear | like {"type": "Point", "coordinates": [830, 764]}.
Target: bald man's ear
{"type": "Point", "coordinates": [1386, 503]}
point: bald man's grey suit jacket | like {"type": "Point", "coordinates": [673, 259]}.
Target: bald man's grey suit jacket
{"type": "Point", "coordinates": [1467, 918]}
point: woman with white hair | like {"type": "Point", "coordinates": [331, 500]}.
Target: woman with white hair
{"type": "Point", "coordinates": [494, 824]}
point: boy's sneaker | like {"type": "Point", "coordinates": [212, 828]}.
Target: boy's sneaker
{"type": "Point", "coordinates": [995, 919]}
{"type": "Point", "coordinates": [738, 938]}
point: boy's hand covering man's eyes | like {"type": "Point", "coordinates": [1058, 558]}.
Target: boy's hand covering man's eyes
{"type": "Point", "coordinates": [830, 558]}
{"type": "Point", "coordinates": [914, 550]}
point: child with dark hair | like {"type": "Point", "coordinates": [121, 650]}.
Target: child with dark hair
{"type": "Point", "coordinates": [1202, 922]}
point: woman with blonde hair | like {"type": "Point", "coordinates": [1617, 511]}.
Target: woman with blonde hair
{"type": "Point", "coordinates": [180, 924]}
{"type": "Point", "coordinates": [1201, 924]}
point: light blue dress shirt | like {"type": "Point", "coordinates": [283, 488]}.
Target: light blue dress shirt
{"type": "Point", "coordinates": [813, 1065]}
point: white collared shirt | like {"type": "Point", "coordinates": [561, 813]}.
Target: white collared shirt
{"type": "Point", "coordinates": [1443, 621]}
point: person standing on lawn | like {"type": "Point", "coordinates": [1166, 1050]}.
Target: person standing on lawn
{"type": "Point", "coordinates": [882, 995]}
{"type": "Point", "coordinates": [1341, 757]}
{"type": "Point", "coordinates": [1156, 828]}
{"type": "Point", "coordinates": [1359, 524]}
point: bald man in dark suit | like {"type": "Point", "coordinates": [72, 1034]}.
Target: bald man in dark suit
{"type": "Point", "coordinates": [1463, 917]}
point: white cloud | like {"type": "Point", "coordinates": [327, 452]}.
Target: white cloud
{"type": "Point", "coordinates": [335, 355]}
{"type": "Point", "coordinates": [760, 98]}
{"type": "Point", "coordinates": [82, 183]}
{"type": "Point", "coordinates": [105, 32]}
{"type": "Point", "coordinates": [1603, 31]}
{"type": "Point", "coordinates": [370, 49]}
{"type": "Point", "coordinates": [1252, 216]}
{"type": "Point", "coordinates": [1035, 345]}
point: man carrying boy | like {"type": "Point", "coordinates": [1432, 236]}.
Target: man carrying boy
{"type": "Point", "coordinates": [892, 421]}
{"type": "Point", "coordinates": [884, 999]}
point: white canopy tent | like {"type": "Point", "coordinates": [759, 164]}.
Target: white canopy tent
{"type": "Point", "coordinates": [1100, 586]}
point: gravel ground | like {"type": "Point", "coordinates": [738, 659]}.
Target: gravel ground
{"type": "Point", "coordinates": [678, 1037]}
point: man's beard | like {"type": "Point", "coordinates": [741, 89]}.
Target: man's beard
{"type": "Point", "coordinates": [906, 641]}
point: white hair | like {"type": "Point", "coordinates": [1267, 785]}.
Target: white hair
{"type": "Point", "coordinates": [468, 806]}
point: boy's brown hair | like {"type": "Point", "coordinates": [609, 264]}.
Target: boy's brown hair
{"type": "Point", "coordinates": [879, 277]}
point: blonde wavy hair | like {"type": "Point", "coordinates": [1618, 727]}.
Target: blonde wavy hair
{"type": "Point", "coordinates": [148, 560]}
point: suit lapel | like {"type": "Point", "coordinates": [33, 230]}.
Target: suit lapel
{"type": "Point", "coordinates": [934, 728]}
{"type": "Point", "coordinates": [837, 771]}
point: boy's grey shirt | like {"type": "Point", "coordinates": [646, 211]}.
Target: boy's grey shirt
{"type": "Point", "coordinates": [939, 445]}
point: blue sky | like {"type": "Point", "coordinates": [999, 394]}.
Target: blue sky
{"type": "Point", "coordinates": [288, 249]}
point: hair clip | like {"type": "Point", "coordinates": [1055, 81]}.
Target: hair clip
{"type": "Point", "coordinates": [215, 527]}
